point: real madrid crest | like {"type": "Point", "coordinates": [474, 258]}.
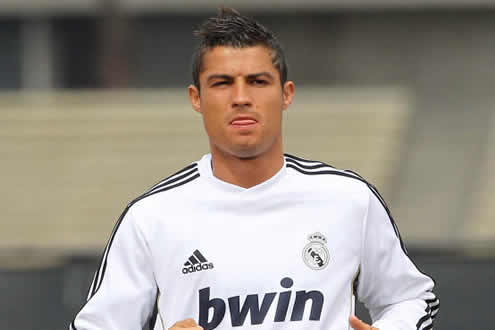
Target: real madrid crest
{"type": "Point", "coordinates": [315, 253]}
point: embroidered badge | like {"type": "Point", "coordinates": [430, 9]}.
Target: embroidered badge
{"type": "Point", "coordinates": [315, 253]}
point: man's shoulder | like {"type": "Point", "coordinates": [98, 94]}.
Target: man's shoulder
{"type": "Point", "coordinates": [317, 169]}
{"type": "Point", "coordinates": [317, 175]}
{"type": "Point", "coordinates": [169, 186]}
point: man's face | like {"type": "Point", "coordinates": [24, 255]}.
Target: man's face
{"type": "Point", "coordinates": [241, 101]}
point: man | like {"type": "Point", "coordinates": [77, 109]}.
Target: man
{"type": "Point", "coordinates": [248, 237]}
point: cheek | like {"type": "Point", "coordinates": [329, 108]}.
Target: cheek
{"type": "Point", "coordinates": [274, 97]}
{"type": "Point", "coordinates": [213, 115]}
{"type": "Point", "coordinates": [273, 108]}
{"type": "Point", "coordinates": [211, 122]}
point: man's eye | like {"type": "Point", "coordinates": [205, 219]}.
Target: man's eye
{"type": "Point", "coordinates": [220, 83]}
{"type": "Point", "coordinates": [259, 82]}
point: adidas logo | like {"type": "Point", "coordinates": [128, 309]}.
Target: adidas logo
{"type": "Point", "coordinates": [196, 263]}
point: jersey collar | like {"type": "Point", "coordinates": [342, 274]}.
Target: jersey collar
{"type": "Point", "coordinates": [205, 170]}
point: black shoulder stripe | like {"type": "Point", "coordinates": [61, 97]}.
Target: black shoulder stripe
{"type": "Point", "coordinates": [160, 187]}
{"type": "Point", "coordinates": [167, 182]}
{"type": "Point", "coordinates": [309, 167]}
{"type": "Point", "coordinates": [168, 186]}
{"type": "Point", "coordinates": [289, 156]}
{"type": "Point", "coordinates": [320, 172]}
{"type": "Point", "coordinates": [193, 165]}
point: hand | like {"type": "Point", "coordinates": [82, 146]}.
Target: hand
{"type": "Point", "coordinates": [357, 324]}
{"type": "Point", "coordinates": [186, 324]}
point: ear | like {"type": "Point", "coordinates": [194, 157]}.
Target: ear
{"type": "Point", "coordinates": [194, 98]}
{"type": "Point", "coordinates": [288, 93]}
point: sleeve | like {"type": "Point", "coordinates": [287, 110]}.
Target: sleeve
{"type": "Point", "coordinates": [397, 295]}
{"type": "Point", "coordinates": [123, 292]}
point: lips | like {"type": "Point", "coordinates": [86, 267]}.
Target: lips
{"type": "Point", "coordinates": [243, 121]}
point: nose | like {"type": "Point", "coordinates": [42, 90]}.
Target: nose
{"type": "Point", "coordinates": [241, 97]}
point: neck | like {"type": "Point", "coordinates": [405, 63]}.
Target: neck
{"type": "Point", "coordinates": [246, 172]}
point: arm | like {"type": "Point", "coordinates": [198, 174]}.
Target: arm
{"type": "Point", "coordinates": [397, 294]}
{"type": "Point", "coordinates": [123, 291]}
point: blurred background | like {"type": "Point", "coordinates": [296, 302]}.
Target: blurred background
{"type": "Point", "coordinates": [94, 110]}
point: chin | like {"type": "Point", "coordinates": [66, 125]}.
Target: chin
{"type": "Point", "coordinates": [245, 149]}
{"type": "Point", "coordinates": [246, 153]}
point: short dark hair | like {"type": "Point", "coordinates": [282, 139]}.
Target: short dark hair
{"type": "Point", "coordinates": [229, 28]}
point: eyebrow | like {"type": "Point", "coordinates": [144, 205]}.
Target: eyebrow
{"type": "Point", "coordinates": [261, 74]}
{"type": "Point", "coordinates": [250, 76]}
{"type": "Point", "coordinates": [218, 76]}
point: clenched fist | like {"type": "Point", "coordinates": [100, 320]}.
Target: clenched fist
{"type": "Point", "coordinates": [186, 324]}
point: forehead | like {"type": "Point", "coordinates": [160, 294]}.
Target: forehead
{"type": "Point", "coordinates": [237, 61]}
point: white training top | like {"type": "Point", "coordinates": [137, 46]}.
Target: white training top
{"type": "Point", "coordinates": [289, 253]}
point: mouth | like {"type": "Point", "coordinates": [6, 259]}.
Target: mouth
{"type": "Point", "coordinates": [243, 122]}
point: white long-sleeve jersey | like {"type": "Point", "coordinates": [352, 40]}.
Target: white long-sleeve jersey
{"type": "Point", "coordinates": [289, 253]}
